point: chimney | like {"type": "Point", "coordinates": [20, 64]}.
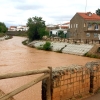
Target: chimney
{"type": "Point", "coordinates": [89, 13]}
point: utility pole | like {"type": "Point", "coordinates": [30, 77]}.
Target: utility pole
{"type": "Point", "coordinates": [86, 6]}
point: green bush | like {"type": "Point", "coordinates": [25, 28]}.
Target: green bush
{"type": "Point", "coordinates": [24, 42]}
{"type": "Point", "coordinates": [47, 46]}
{"type": "Point", "coordinates": [91, 55]}
{"type": "Point", "coordinates": [40, 48]}
{"type": "Point", "coordinates": [2, 34]}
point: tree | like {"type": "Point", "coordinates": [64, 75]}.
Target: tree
{"type": "Point", "coordinates": [98, 11]}
{"type": "Point", "coordinates": [3, 28]}
{"type": "Point", "coordinates": [61, 34]}
{"type": "Point", "coordinates": [36, 28]}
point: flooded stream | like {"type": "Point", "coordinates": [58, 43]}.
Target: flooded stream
{"type": "Point", "coordinates": [15, 57]}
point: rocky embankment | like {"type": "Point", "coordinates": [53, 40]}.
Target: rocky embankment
{"type": "Point", "coordinates": [4, 37]}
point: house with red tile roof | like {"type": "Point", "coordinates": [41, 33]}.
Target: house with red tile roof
{"type": "Point", "coordinates": [18, 28]}
{"type": "Point", "coordinates": [85, 26]}
{"type": "Point", "coordinates": [12, 28]}
{"type": "Point", "coordinates": [64, 25]}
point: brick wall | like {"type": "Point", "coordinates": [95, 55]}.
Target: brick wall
{"type": "Point", "coordinates": [70, 82]}
{"type": "Point", "coordinates": [74, 81]}
{"type": "Point", "coordinates": [94, 76]}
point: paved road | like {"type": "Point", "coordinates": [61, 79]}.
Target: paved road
{"type": "Point", "coordinates": [15, 57]}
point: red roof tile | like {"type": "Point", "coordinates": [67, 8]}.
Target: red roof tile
{"type": "Point", "coordinates": [87, 17]}
{"type": "Point", "coordinates": [64, 26]}
{"type": "Point", "coordinates": [66, 23]}
{"type": "Point", "coordinates": [13, 27]}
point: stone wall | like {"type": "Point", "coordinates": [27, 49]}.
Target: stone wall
{"type": "Point", "coordinates": [94, 76]}
{"type": "Point", "coordinates": [14, 33]}
{"type": "Point", "coordinates": [74, 81]}
{"type": "Point", "coordinates": [64, 47]}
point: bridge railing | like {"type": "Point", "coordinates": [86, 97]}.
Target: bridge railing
{"type": "Point", "coordinates": [47, 74]}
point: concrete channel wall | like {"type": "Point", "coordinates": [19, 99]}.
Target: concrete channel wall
{"type": "Point", "coordinates": [73, 82]}
{"type": "Point", "coordinates": [77, 49]}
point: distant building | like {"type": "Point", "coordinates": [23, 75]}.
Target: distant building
{"type": "Point", "coordinates": [64, 25]}
{"type": "Point", "coordinates": [60, 27]}
{"type": "Point", "coordinates": [12, 28]}
{"type": "Point", "coordinates": [85, 26]}
{"type": "Point", "coordinates": [51, 27]}
{"type": "Point", "coordinates": [18, 28]}
{"type": "Point", "coordinates": [56, 31]}
{"type": "Point", "coordinates": [22, 28]}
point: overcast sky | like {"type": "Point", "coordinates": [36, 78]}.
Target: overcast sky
{"type": "Point", "coordinates": [17, 12]}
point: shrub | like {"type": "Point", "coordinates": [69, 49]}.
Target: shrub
{"type": "Point", "coordinates": [59, 51]}
{"type": "Point", "coordinates": [40, 48]}
{"type": "Point", "coordinates": [91, 55]}
{"type": "Point", "coordinates": [2, 34]}
{"type": "Point", "coordinates": [24, 42]}
{"type": "Point", "coordinates": [47, 46]}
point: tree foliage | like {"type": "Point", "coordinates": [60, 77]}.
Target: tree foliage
{"type": "Point", "coordinates": [61, 34]}
{"type": "Point", "coordinates": [36, 28]}
{"type": "Point", "coordinates": [3, 28]}
{"type": "Point", "coordinates": [98, 11]}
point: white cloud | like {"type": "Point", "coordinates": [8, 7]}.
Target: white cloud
{"type": "Point", "coordinates": [15, 12]}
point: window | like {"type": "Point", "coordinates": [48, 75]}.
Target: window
{"type": "Point", "coordinates": [88, 34]}
{"type": "Point", "coordinates": [95, 35]}
{"type": "Point", "coordinates": [96, 27]}
{"type": "Point", "coordinates": [71, 25]}
{"type": "Point", "coordinates": [84, 24]}
{"type": "Point", "coordinates": [89, 25]}
{"type": "Point", "coordinates": [76, 25]}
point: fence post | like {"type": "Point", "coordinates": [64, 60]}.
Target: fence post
{"type": "Point", "coordinates": [68, 40]}
{"type": "Point", "coordinates": [49, 84]}
{"type": "Point", "coordinates": [86, 41]}
{"type": "Point", "coordinates": [99, 41]}
{"type": "Point", "coordinates": [80, 40]}
{"type": "Point", "coordinates": [92, 41]}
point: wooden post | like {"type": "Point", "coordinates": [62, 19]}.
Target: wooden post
{"type": "Point", "coordinates": [86, 41]}
{"type": "Point", "coordinates": [68, 40]}
{"type": "Point", "coordinates": [99, 41]}
{"type": "Point", "coordinates": [92, 41]}
{"type": "Point", "coordinates": [49, 85]}
{"type": "Point", "coordinates": [80, 40]}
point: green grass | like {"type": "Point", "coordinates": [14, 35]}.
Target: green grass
{"type": "Point", "coordinates": [91, 55]}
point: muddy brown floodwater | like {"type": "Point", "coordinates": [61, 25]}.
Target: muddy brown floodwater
{"type": "Point", "coordinates": [15, 57]}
